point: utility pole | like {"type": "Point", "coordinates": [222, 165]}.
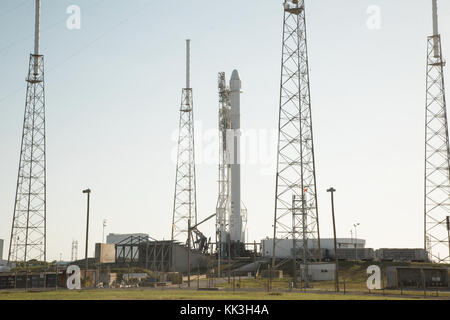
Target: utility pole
{"type": "Point", "coordinates": [448, 230]}
{"type": "Point", "coordinates": [294, 245]}
{"type": "Point", "coordinates": [189, 253]}
{"type": "Point", "coordinates": [356, 242]}
{"type": "Point", "coordinates": [104, 226]}
{"type": "Point", "coordinates": [88, 192]}
{"type": "Point", "coordinates": [336, 258]}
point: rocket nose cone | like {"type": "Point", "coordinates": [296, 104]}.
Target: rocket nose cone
{"type": "Point", "coordinates": [235, 75]}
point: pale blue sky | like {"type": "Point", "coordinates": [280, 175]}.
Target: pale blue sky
{"type": "Point", "coordinates": [113, 91]}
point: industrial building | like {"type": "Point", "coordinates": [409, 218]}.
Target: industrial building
{"type": "Point", "coordinates": [284, 247]}
{"type": "Point", "coordinates": [138, 250]}
{"type": "Point", "coordinates": [349, 249]}
{"type": "Point", "coordinates": [414, 255]}
{"type": "Point", "coordinates": [115, 238]}
{"type": "Point", "coordinates": [417, 278]}
{"type": "Point", "coordinates": [36, 280]}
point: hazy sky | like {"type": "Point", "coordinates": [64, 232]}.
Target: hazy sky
{"type": "Point", "coordinates": [113, 92]}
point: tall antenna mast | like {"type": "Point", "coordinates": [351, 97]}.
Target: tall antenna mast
{"type": "Point", "coordinates": [188, 63]}
{"type": "Point", "coordinates": [28, 233]}
{"type": "Point", "coordinates": [435, 29]}
{"type": "Point", "coordinates": [185, 202]}
{"type": "Point", "coordinates": [37, 27]}
{"type": "Point", "coordinates": [437, 153]}
{"type": "Point", "coordinates": [296, 175]}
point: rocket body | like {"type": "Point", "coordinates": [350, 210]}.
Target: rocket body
{"type": "Point", "coordinates": [236, 217]}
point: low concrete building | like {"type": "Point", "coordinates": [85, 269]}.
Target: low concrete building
{"type": "Point", "coordinates": [319, 272]}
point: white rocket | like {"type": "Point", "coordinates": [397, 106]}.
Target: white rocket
{"type": "Point", "coordinates": [236, 217]}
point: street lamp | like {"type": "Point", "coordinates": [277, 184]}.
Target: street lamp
{"type": "Point", "coordinates": [332, 191]}
{"type": "Point", "coordinates": [356, 241]}
{"type": "Point", "coordinates": [88, 192]}
{"type": "Point", "coordinates": [104, 226]}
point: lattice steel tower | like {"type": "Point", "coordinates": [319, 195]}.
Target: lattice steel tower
{"type": "Point", "coordinates": [185, 202]}
{"type": "Point", "coordinates": [296, 214]}
{"type": "Point", "coordinates": [28, 233]}
{"type": "Point", "coordinates": [223, 210]}
{"type": "Point", "coordinates": [437, 152]}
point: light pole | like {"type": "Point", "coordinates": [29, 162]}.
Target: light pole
{"type": "Point", "coordinates": [336, 260]}
{"type": "Point", "coordinates": [88, 192]}
{"type": "Point", "coordinates": [189, 253]}
{"type": "Point", "coordinates": [448, 229]}
{"type": "Point", "coordinates": [104, 226]}
{"type": "Point", "coordinates": [294, 244]}
{"type": "Point", "coordinates": [356, 241]}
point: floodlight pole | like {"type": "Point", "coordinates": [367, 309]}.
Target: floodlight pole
{"type": "Point", "coordinates": [189, 253]}
{"type": "Point", "coordinates": [336, 259]}
{"type": "Point", "coordinates": [356, 242]}
{"type": "Point", "coordinates": [88, 192]}
{"type": "Point", "coordinates": [104, 226]}
{"type": "Point", "coordinates": [448, 230]}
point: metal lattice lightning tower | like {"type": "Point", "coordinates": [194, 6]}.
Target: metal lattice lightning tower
{"type": "Point", "coordinates": [437, 152]}
{"type": "Point", "coordinates": [223, 210]}
{"type": "Point", "coordinates": [296, 177]}
{"type": "Point", "coordinates": [185, 202]}
{"type": "Point", "coordinates": [28, 233]}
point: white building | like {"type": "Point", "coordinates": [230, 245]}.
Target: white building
{"type": "Point", "coordinates": [284, 247]}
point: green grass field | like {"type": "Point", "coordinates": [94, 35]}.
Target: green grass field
{"type": "Point", "coordinates": [178, 295]}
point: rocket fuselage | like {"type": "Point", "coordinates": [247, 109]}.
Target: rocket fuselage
{"type": "Point", "coordinates": [236, 217]}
